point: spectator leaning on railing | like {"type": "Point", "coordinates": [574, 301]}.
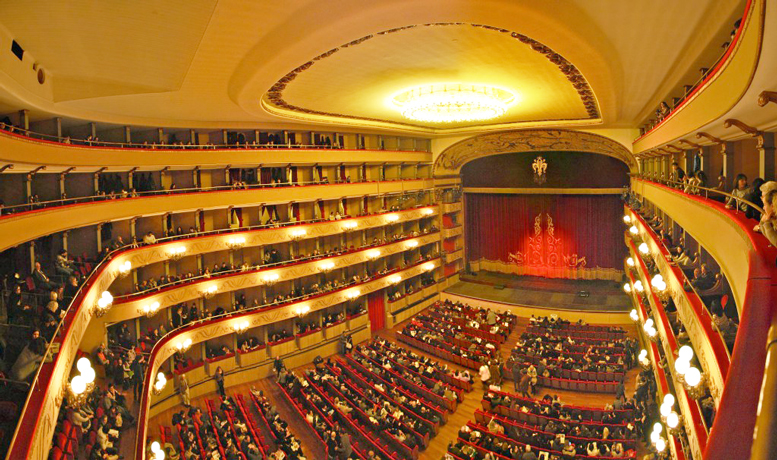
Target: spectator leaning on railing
{"type": "Point", "coordinates": [767, 224]}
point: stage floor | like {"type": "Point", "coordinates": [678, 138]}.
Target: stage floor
{"type": "Point", "coordinates": [544, 292]}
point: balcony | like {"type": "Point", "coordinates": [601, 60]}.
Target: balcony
{"type": "Point", "coordinates": [448, 208]}
{"type": "Point", "coordinates": [26, 226]}
{"type": "Point", "coordinates": [720, 91]}
{"type": "Point", "coordinates": [452, 232]}
{"type": "Point", "coordinates": [747, 260]}
{"type": "Point", "coordinates": [453, 256]}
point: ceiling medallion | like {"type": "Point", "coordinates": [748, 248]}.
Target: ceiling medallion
{"type": "Point", "coordinates": [453, 102]}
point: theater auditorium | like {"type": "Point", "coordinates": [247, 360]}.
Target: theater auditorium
{"type": "Point", "coordinates": [388, 230]}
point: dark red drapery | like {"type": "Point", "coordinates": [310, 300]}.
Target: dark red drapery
{"type": "Point", "coordinates": [588, 226]}
{"type": "Point", "coordinates": [377, 310]}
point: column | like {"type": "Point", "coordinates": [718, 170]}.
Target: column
{"type": "Point", "coordinates": [58, 122]}
{"type": "Point", "coordinates": [160, 135]}
{"type": "Point", "coordinates": [24, 119]}
{"type": "Point", "coordinates": [727, 152]}
{"type": "Point", "coordinates": [765, 148]}
{"type": "Point", "coordinates": [127, 134]}
{"type": "Point", "coordinates": [93, 129]}
{"type": "Point", "coordinates": [687, 163]}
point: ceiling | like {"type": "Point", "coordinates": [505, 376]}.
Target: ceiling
{"type": "Point", "coordinates": [208, 63]}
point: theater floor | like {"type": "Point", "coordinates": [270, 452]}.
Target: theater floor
{"type": "Point", "coordinates": [448, 432]}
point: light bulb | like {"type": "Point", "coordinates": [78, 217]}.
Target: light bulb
{"type": "Point", "coordinates": [681, 366]}
{"type": "Point", "coordinates": [83, 364]}
{"type": "Point", "coordinates": [633, 230]}
{"type": "Point", "coordinates": [692, 376]}
{"type": "Point", "coordinates": [657, 428]}
{"type": "Point", "coordinates": [672, 420]}
{"type": "Point", "coordinates": [627, 218]}
{"type": "Point", "coordinates": [665, 409]}
{"type": "Point", "coordinates": [630, 261]}
{"type": "Point", "coordinates": [634, 315]}
{"type": "Point", "coordinates": [649, 323]}
{"type": "Point", "coordinates": [643, 353]}
{"type": "Point", "coordinates": [685, 352]}
{"type": "Point", "coordinates": [660, 444]}
{"type": "Point", "coordinates": [627, 287]}
{"type": "Point", "coordinates": [107, 296]}
{"type": "Point", "coordinates": [88, 375]}
{"type": "Point", "coordinates": [155, 447]}
{"type": "Point", "coordinates": [643, 248]}
{"type": "Point", "coordinates": [669, 399]}
{"type": "Point", "coordinates": [655, 436]}
{"type": "Point", "coordinates": [78, 385]}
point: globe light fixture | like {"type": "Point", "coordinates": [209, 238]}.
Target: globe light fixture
{"type": "Point", "coordinates": [350, 225]}
{"type": "Point", "coordinates": [240, 327]}
{"type": "Point", "coordinates": [453, 102]}
{"type": "Point", "coordinates": [392, 218]}
{"type": "Point", "coordinates": [627, 219]}
{"type": "Point", "coordinates": [627, 287]}
{"type": "Point", "coordinates": [634, 315]}
{"type": "Point", "coordinates": [298, 234]}
{"type": "Point", "coordinates": [160, 383]}
{"type": "Point", "coordinates": [643, 248]}
{"type": "Point", "coordinates": [428, 266]}
{"type": "Point", "coordinates": [685, 352]}
{"type": "Point", "coordinates": [412, 243]}
{"type": "Point", "coordinates": [236, 243]}
{"type": "Point", "coordinates": [175, 253]}
{"type": "Point", "coordinates": [395, 279]}
{"type": "Point", "coordinates": [184, 345]}
{"type": "Point", "coordinates": [103, 303]}
{"type": "Point", "coordinates": [633, 230]}
{"type": "Point", "coordinates": [326, 267]}
{"type": "Point", "coordinates": [124, 269]}
{"type": "Point", "coordinates": [270, 279]}
{"type": "Point", "coordinates": [630, 261]}
{"type": "Point", "coordinates": [149, 310]}
{"type": "Point", "coordinates": [301, 310]}
{"type": "Point", "coordinates": [353, 294]}
{"type": "Point", "coordinates": [427, 211]}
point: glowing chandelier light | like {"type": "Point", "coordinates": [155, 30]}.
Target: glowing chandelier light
{"type": "Point", "coordinates": [453, 102]}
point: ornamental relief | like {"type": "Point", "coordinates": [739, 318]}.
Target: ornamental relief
{"type": "Point", "coordinates": [129, 309]}
{"type": "Point", "coordinates": [143, 256]}
{"type": "Point", "coordinates": [457, 155]}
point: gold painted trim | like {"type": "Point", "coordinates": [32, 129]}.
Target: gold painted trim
{"type": "Point", "coordinates": [273, 100]}
{"type": "Point", "coordinates": [545, 191]}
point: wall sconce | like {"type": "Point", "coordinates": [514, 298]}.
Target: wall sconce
{"type": "Point", "coordinates": [429, 266]}
{"type": "Point", "coordinates": [350, 225]}
{"type": "Point", "coordinates": [392, 218]}
{"type": "Point", "coordinates": [175, 253]}
{"type": "Point", "coordinates": [124, 269]}
{"type": "Point", "coordinates": [236, 243]}
{"type": "Point", "coordinates": [655, 437]}
{"type": "Point", "coordinates": [298, 234]}
{"type": "Point", "coordinates": [160, 383]}
{"type": "Point", "coordinates": [209, 292]}
{"type": "Point", "coordinates": [240, 327]}
{"type": "Point", "coordinates": [630, 261]}
{"type": "Point", "coordinates": [638, 286]}
{"type": "Point", "coordinates": [658, 282]}
{"type": "Point", "coordinates": [81, 385]}
{"type": "Point", "coordinates": [326, 267]}
{"type": "Point", "coordinates": [183, 346]}
{"type": "Point", "coordinates": [353, 294]}
{"type": "Point", "coordinates": [104, 304]}
{"type": "Point", "coordinates": [149, 310]}
{"type": "Point", "coordinates": [650, 329]}
{"type": "Point", "coordinates": [644, 361]}
{"type": "Point", "coordinates": [633, 230]}
{"type": "Point", "coordinates": [627, 219]}
{"type": "Point", "coordinates": [627, 288]}
{"type": "Point", "coordinates": [270, 279]}
{"type": "Point", "coordinates": [157, 453]}
{"type": "Point", "coordinates": [412, 244]}
{"type": "Point", "coordinates": [634, 315]}
{"type": "Point", "coordinates": [395, 279]}
{"type": "Point", "coordinates": [301, 310]}
{"type": "Point", "coordinates": [374, 254]}
{"type": "Point", "coordinates": [643, 248]}
{"type": "Point", "coordinates": [668, 415]}
{"type": "Point", "coordinates": [427, 211]}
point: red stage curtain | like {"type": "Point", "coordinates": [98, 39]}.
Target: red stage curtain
{"type": "Point", "coordinates": [589, 226]}
{"type": "Point", "coordinates": [377, 310]}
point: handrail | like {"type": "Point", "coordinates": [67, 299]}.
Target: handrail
{"type": "Point", "coordinates": [164, 340]}
{"type": "Point", "coordinates": [66, 323]}
{"type": "Point", "coordinates": [707, 191]}
{"type": "Point", "coordinates": [6, 211]}
{"type": "Point", "coordinates": [765, 436]}
{"type": "Point", "coordinates": [67, 140]}
{"type": "Point", "coordinates": [705, 78]}
{"type": "Point", "coordinates": [258, 268]}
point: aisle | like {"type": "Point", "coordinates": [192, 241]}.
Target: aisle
{"type": "Point", "coordinates": [448, 432]}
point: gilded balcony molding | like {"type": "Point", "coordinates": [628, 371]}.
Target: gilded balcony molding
{"type": "Point", "coordinates": [127, 308]}
{"type": "Point", "coordinates": [448, 208]}
{"type": "Point", "coordinates": [695, 430]}
{"type": "Point", "coordinates": [708, 343]}
{"type": "Point", "coordinates": [453, 256]}
{"type": "Point", "coordinates": [207, 330]}
{"type": "Point", "coordinates": [147, 255]}
{"type": "Point", "coordinates": [452, 232]}
{"type": "Point", "coordinates": [23, 227]}
{"type": "Point", "coordinates": [721, 92]}
{"type": "Point", "coordinates": [27, 151]}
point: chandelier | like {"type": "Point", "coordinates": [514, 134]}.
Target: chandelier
{"type": "Point", "coordinates": [451, 103]}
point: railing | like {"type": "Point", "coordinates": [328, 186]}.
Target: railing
{"type": "Point", "coordinates": [67, 140]}
{"type": "Point", "coordinates": [36, 397]}
{"type": "Point", "coordinates": [698, 190]}
{"type": "Point", "coordinates": [36, 206]}
{"type": "Point", "coordinates": [765, 438]}
{"type": "Point", "coordinates": [709, 75]}
{"type": "Point", "coordinates": [164, 348]}
{"type": "Point", "coordinates": [748, 261]}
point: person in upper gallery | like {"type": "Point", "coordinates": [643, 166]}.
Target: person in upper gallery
{"type": "Point", "coordinates": [219, 378]}
{"type": "Point", "coordinates": [677, 172]}
{"type": "Point", "coordinates": [767, 224]}
{"type": "Point", "coordinates": [739, 191]}
{"type": "Point", "coordinates": [41, 280]}
{"type": "Point", "coordinates": [149, 238]}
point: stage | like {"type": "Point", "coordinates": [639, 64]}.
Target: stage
{"type": "Point", "coordinates": [554, 293]}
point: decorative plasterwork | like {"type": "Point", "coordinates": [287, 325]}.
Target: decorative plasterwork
{"type": "Point", "coordinates": [274, 98]}
{"type": "Point", "coordinates": [457, 155]}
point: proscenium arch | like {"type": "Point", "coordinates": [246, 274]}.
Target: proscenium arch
{"type": "Point", "coordinates": [451, 160]}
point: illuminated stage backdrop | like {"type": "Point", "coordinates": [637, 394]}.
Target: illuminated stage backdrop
{"type": "Point", "coordinates": [554, 236]}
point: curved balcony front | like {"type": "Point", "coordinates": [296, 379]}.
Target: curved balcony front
{"type": "Point", "coordinates": [27, 226]}
{"type": "Point", "coordinates": [747, 260]}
